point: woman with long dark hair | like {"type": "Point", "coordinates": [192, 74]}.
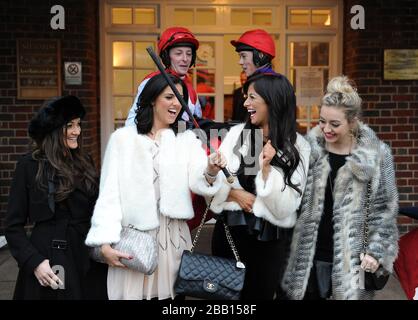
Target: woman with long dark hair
{"type": "Point", "coordinates": [55, 187]}
{"type": "Point", "coordinates": [270, 161]}
{"type": "Point", "coordinates": [148, 173]}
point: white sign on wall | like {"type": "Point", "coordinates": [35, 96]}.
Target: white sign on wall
{"type": "Point", "coordinates": [72, 72]}
{"type": "Point", "coordinates": [309, 86]}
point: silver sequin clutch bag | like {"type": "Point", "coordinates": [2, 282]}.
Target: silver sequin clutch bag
{"type": "Point", "coordinates": [139, 244]}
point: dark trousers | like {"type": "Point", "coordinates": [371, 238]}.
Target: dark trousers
{"type": "Point", "coordinates": [264, 260]}
{"type": "Point", "coordinates": [312, 289]}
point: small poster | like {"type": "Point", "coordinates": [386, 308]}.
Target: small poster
{"type": "Point", "coordinates": [38, 68]}
{"type": "Point", "coordinates": [73, 73]}
{"type": "Point", "coordinates": [309, 86]}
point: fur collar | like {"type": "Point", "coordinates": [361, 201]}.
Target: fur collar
{"type": "Point", "coordinates": [364, 158]}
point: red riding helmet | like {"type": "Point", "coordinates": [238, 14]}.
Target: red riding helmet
{"type": "Point", "coordinates": [176, 37]}
{"type": "Point", "coordinates": [259, 40]}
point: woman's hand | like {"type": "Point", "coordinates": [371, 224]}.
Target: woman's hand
{"type": "Point", "coordinates": [46, 276]}
{"type": "Point", "coordinates": [265, 157]}
{"type": "Point", "coordinates": [216, 161]}
{"type": "Point", "coordinates": [112, 256]}
{"type": "Point", "coordinates": [243, 198]}
{"type": "Point", "coordinates": [368, 263]}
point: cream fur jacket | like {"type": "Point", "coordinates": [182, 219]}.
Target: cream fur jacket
{"type": "Point", "coordinates": [272, 203]}
{"type": "Point", "coordinates": [127, 194]}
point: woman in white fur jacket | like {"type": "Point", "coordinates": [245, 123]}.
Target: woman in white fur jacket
{"type": "Point", "coordinates": [148, 173]}
{"type": "Point", "coordinates": [270, 161]}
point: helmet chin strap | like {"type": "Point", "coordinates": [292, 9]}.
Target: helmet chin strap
{"type": "Point", "coordinates": [260, 59]}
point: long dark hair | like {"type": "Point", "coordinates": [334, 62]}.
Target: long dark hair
{"type": "Point", "coordinates": [280, 98]}
{"type": "Point", "coordinates": [63, 165]}
{"type": "Point", "coordinates": [145, 110]}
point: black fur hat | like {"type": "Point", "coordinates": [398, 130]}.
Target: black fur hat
{"type": "Point", "coordinates": [55, 114]}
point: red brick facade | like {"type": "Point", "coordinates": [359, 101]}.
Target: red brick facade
{"type": "Point", "coordinates": [390, 107]}
{"type": "Point", "coordinates": [79, 42]}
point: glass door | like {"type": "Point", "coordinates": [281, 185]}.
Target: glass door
{"type": "Point", "coordinates": [208, 78]}
{"type": "Point", "coordinates": [310, 65]}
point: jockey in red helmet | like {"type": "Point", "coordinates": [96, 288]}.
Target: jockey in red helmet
{"type": "Point", "coordinates": [177, 49]}
{"type": "Point", "coordinates": [256, 50]}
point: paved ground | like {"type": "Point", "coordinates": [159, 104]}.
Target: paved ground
{"type": "Point", "coordinates": [8, 272]}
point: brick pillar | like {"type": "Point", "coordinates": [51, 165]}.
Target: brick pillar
{"type": "Point", "coordinates": [390, 107]}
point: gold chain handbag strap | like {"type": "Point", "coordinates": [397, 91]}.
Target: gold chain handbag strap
{"type": "Point", "coordinates": [365, 225]}
{"type": "Point", "coordinates": [228, 234]}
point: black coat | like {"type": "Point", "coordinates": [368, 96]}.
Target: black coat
{"type": "Point", "coordinates": [83, 278]}
{"type": "Point", "coordinates": [239, 112]}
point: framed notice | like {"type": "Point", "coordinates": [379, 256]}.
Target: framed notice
{"type": "Point", "coordinates": [400, 64]}
{"type": "Point", "coordinates": [38, 68]}
{"type": "Point", "coordinates": [310, 86]}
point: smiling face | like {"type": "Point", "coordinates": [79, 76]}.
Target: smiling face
{"type": "Point", "coordinates": [166, 107]}
{"type": "Point", "coordinates": [180, 58]}
{"type": "Point", "coordinates": [334, 125]}
{"type": "Point", "coordinates": [246, 62]}
{"type": "Point", "coordinates": [72, 131]}
{"type": "Point", "coordinates": [256, 107]}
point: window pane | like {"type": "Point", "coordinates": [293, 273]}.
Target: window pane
{"type": "Point", "coordinates": [121, 15]}
{"type": "Point", "coordinates": [326, 79]}
{"type": "Point", "coordinates": [206, 17]}
{"type": "Point", "coordinates": [183, 17]}
{"type": "Point", "coordinates": [205, 81]}
{"type": "Point", "coordinates": [292, 78]}
{"type": "Point", "coordinates": [314, 112]}
{"type": "Point", "coordinates": [205, 55]}
{"type": "Point", "coordinates": [299, 17]}
{"type": "Point", "coordinates": [144, 16]}
{"type": "Point", "coordinates": [122, 54]}
{"type": "Point", "coordinates": [321, 17]}
{"type": "Point", "coordinates": [140, 74]}
{"type": "Point", "coordinates": [208, 107]}
{"type": "Point", "coordinates": [301, 112]}
{"type": "Point", "coordinates": [142, 58]}
{"type": "Point", "coordinates": [262, 17]}
{"type": "Point", "coordinates": [240, 17]}
{"type": "Point", "coordinates": [298, 54]}
{"type": "Point", "coordinates": [319, 53]}
{"type": "Point", "coordinates": [121, 107]}
{"type": "Point", "coordinates": [122, 82]}
{"type": "Point", "coordinates": [302, 127]}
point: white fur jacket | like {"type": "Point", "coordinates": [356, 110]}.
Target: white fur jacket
{"type": "Point", "coordinates": [127, 194]}
{"type": "Point", "coordinates": [272, 203]}
{"type": "Point", "coordinates": [370, 161]}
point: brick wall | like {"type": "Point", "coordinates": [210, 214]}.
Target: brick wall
{"type": "Point", "coordinates": [79, 42]}
{"type": "Point", "coordinates": [390, 107]}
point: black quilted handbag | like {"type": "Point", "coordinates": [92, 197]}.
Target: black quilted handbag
{"type": "Point", "coordinates": [210, 277]}
{"type": "Point", "coordinates": [377, 280]}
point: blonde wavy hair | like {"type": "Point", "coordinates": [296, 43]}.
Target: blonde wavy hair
{"type": "Point", "coordinates": [342, 93]}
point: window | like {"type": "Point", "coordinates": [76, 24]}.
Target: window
{"type": "Point", "coordinates": [251, 16]}
{"type": "Point", "coordinates": [309, 73]}
{"type": "Point", "coordinates": [145, 16]}
{"type": "Point", "coordinates": [131, 63]}
{"type": "Point", "coordinates": [195, 16]}
{"type": "Point", "coordinates": [304, 18]}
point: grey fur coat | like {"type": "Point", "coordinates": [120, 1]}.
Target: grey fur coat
{"type": "Point", "coordinates": [371, 160]}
